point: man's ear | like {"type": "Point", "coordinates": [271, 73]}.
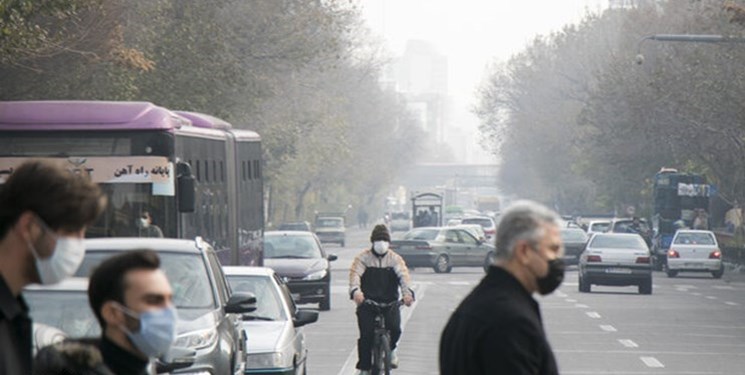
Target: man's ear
{"type": "Point", "coordinates": [521, 252]}
{"type": "Point", "coordinates": [27, 227]}
{"type": "Point", "coordinates": [111, 314]}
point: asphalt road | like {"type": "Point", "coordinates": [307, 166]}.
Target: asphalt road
{"type": "Point", "coordinates": [691, 324]}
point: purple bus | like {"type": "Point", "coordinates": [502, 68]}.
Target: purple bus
{"type": "Point", "coordinates": [166, 173]}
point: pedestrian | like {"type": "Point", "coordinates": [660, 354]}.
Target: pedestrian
{"type": "Point", "coordinates": [377, 274]}
{"type": "Point", "coordinates": [497, 328]}
{"type": "Point", "coordinates": [146, 226]}
{"type": "Point", "coordinates": [44, 211]}
{"type": "Point", "coordinates": [733, 217]}
{"type": "Point", "coordinates": [133, 301]}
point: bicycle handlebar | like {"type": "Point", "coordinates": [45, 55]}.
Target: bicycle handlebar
{"type": "Point", "coordinates": [383, 305]}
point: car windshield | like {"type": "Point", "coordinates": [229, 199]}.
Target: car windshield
{"type": "Point", "coordinates": [422, 234]}
{"type": "Point", "coordinates": [628, 227]}
{"type": "Point", "coordinates": [691, 238]}
{"type": "Point", "coordinates": [284, 246]}
{"type": "Point", "coordinates": [600, 227]}
{"type": "Point", "coordinates": [186, 272]}
{"type": "Point", "coordinates": [484, 222]}
{"type": "Point", "coordinates": [66, 310]}
{"type": "Point", "coordinates": [400, 216]}
{"type": "Point", "coordinates": [268, 301]}
{"type": "Point", "coordinates": [294, 226]}
{"type": "Point", "coordinates": [617, 242]}
{"type": "Point", "coordinates": [573, 235]}
{"type": "Point", "coordinates": [328, 223]}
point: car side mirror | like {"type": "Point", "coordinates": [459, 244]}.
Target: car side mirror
{"type": "Point", "coordinates": [241, 303]}
{"type": "Point", "coordinates": [305, 316]}
{"type": "Point", "coordinates": [332, 257]}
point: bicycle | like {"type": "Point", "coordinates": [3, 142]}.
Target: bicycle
{"type": "Point", "coordinates": [381, 351]}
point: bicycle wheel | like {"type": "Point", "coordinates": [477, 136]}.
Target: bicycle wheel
{"type": "Point", "coordinates": [377, 357]}
{"type": "Point", "coordinates": [385, 350]}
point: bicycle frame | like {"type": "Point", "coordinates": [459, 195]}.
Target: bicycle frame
{"type": "Point", "coordinates": [381, 352]}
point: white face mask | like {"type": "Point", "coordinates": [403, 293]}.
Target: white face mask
{"type": "Point", "coordinates": [380, 247]}
{"type": "Point", "coordinates": [66, 257]}
{"type": "Point", "coordinates": [142, 223]}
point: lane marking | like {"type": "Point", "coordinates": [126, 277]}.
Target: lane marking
{"type": "Point", "coordinates": [628, 343]}
{"type": "Point", "coordinates": [459, 282]}
{"type": "Point", "coordinates": [593, 314]}
{"type": "Point", "coordinates": [608, 328]}
{"type": "Point", "coordinates": [723, 287]}
{"type": "Point", "coordinates": [732, 303]}
{"type": "Point", "coordinates": [571, 300]}
{"type": "Point", "coordinates": [652, 362]}
{"type": "Point", "coordinates": [581, 306]}
{"type": "Point", "coordinates": [696, 294]}
{"type": "Point", "coordinates": [711, 297]}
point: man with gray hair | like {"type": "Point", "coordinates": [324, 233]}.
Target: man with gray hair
{"type": "Point", "coordinates": [497, 329]}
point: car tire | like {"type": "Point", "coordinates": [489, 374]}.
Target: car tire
{"type": "Point", "coordinates": [646, 287]}
{"type": "Point", "coordinates": [671, 273]}
{"type": "Point", "coordinates": [442, 264]}
{"type": "Point", "coordinates": [718, 274]}
{"type": "Point", "coordinates": [489, 261]}
{"type": "Point", "coordinates": [584, 286]}
{"type": "Point", "coordinates": [325, 304]}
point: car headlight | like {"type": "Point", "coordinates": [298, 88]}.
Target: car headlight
{"type": "Point", "coordinates": [197, 339]}
{"type": "Point", "coordinates": [316, 275]}
{"type": "Point", "coordinates": [268, 360]}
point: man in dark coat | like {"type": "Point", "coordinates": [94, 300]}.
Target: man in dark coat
{"type": "Point", "coordinates": [497, 329]}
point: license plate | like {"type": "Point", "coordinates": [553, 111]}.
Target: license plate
{"type": "Point", "coordinates": [618, 270]}
{"type": "Point", "coordinates": [694, 265]}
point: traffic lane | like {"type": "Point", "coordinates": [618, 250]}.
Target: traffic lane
{"type": "Point", "coordinates": [616, 330]}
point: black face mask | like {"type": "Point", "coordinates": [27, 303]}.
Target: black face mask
{"type": "Point", "coordinates": [547, 284]}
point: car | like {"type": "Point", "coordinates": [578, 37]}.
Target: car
{"type": "Point", "coordinates": [574, 240]}
{"type": "Point", "coordinates": [617, 259]}
{"type": "Point", "coordinates": [694, 251]}
{"type": "Point", "coordinates": [598, 226]}
{"type": "Point", "coordinates": [625, 225]}
{"type": "Point", "coordinates": [209, 313]}
{"type": "Point", "coordinates": [490, 228]}
{"type": "Point", "coordinates": [302, 226]}
{"type": "Point", "coordinates": [400, 221]}
{"type": "Point", "coordinates": [331, 229]}
{"type": "Point", "coordinates": [275, 329]}
{"type": "Point", "coordinates": [475, 229]}
{"type": "Point", "coordinates": [443, 248]}
{"type": "Point", "coordinates": [301, 261]}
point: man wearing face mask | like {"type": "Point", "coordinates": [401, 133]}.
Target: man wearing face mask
{"type": "Point", "coordinates": [44, 211]}
{"type": "Point", "coordinates": [497, 329]}
{"type": "Point", "coordinates": [132, 300]}
{"type": "Point", "coordinates": [377, 274]}
{"type": "Point", "coordinates": [147, 228]}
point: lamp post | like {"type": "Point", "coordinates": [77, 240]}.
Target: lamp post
{"type": "Point", "coordinates": [688, 38]}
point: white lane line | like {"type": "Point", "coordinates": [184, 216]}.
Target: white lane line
{"type": "Point", "coordinates": [561, 294]}
{"type": "Point", "coordinates": [652, 362]}
{"type": "Point", "coordinates": [732, 303]}
{"type": "Point", "coordinates": [608, 328]}
{"type": "Point", "coordinates": [628, 343]}
{"type": "Point", "coordinates": [723, 287]}
{"type": "Point", "coordinates": [696, 294]}
{"type": "Point", "coordinates": [581, 306]}
{"type": "Point", "coordinates": [406, 314]}
{"type": "Point", "coordinates": [684, 286]}
{"type": "Point", "coordinates": [571, 300]}
{"type": "Point", "coordinates": [711, 297]}
{"type": "Point", "coordinates": [459, 282]}
{"type": "Point", "coordinates": [593, 314]}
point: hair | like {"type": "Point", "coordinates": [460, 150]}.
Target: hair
{"type": "Point", "coordinates": [107, 283]}
{"type": "Point", "coordinates": [522, 221]}
{"type": "Point", "coordinates": [70, 358]}
{"type": "Point", "coordinates": [59, 197]}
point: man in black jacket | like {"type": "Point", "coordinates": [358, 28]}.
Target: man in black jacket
{"type": "Point", "coordinates": [497, 329]}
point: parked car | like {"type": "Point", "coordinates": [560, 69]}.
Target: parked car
{"type": "Point", "coordinates": [400, 221]}
{"type": "Point", "coordinates": [302, 226]}
{"type": "Point", "coordinates": [299, 258]}
{"type": "Point", "coordinates": [598, 226]}
{"type": "Point", "coordinates": [275, 329]}
{"type": "Point", "coordinates": [209, 313]}
{"type": "Point", "coordinates": [694, 251]}
{"type": "Point", "coordinates": [617, 259]}
{"type": "Point", "coordinates": [443, 248]}
{"type": "Point", "coordinates": [574, 240]}
{"type": "Point", "coordinates": [331, 229]}
{"type": "Point", "coordinates": [490, 228]}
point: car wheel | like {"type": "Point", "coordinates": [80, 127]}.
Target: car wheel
{"type": "Point", "coordinates": [584, 286]}
{"type": "Point", "coordinates": [442, 264]}
{"type": "Point", "coordinates": [490, 258]}
{"type": "Point", "coordinates": [646, 287]}
{"type": "Point", "coordinates": [718, 274]}
{"type": "Point", "coordinates": [671, 273]}
{"type": "Point", "coordinates": [325, 304]}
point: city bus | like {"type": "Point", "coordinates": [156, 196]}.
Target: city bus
{"type": "Point", "coordinates": [193, 174]}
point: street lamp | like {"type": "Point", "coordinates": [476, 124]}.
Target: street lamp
{"type": "Point", "coordinates": [689, 38]}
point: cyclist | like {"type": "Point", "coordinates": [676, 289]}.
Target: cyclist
{"type": "Point", "coordinates": [377, 274]}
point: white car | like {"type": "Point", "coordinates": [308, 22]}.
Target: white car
{"type": "Point", "coordinates": [694, 251]}
{"type": "Point", "coordinates": [275, 338]}
{"type": "Point", "coordinates": [598, 226]}
{"type": "Point", "coordinates": [618, 259]}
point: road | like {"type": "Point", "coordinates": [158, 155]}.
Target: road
{"type": "Point", "coordinates": [691, 324]}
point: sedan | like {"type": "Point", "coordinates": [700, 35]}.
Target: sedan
{"type": "Point", "coordinates": [300, 260]}
{"type": "Point", "coordinates": [694, 251]}
{"type": "Point", "coordinates": [617, 259]}
{"type": "Point", "coordinates": [276, 341]}
{"type": "Point", "coordinates": [443, 248]}
{"type": "Point", "coordinates": [574, 240]}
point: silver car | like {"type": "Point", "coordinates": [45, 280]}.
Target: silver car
{"type": "Point", "coordinates": [443, 248]}
{"type": "Point", "coordinates": [694, 251]}
{"type": "Point", "coordinates": [618, 259]}
{"type": "Point", "coordinates": [276, 341]}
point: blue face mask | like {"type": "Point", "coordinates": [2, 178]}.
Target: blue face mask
{"type": "Point", "coordinates": [157, 330]}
